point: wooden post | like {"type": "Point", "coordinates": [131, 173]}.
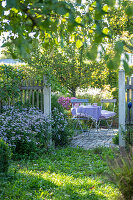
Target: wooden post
{"type": "Point", "coordinates": [121, 107]}
{"type": "Point", "coordinates": [47, 103]}
{"type": "Point", "coordinates": [47, 98]}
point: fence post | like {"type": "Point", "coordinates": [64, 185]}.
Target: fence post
{"type": "Point", "coordinates": [47, 98]}
{"type": "Point", "coordinates": [121, 106]}
{"type": "Point", "coordinates": [47, 103]}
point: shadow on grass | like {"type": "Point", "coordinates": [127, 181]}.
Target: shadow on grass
{"type": "Point", "coordinates": [27, 186]}
{"type": "Point", "coordinates": [66, 174]}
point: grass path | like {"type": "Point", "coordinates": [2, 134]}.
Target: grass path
{"type": "Point", "coordinates": [67, 174]}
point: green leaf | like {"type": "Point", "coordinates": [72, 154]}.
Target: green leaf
{"type": "Point", "coordinates": [105, 8]}
{"type": "Point", "coordinates": [11, 4]}
{"type": "Point", "coordinates": [126, 66]}
{"type": "Point", "coordinates": [119, 47]}
{"type": "Point", "coordinates": [126, 56]}
{"type": "Point", "coordinates": [70, 27]}
{"type": "Point", "coordinates": [92, 54]}
{"type": "Point", "coordinates": [78, 19]}
{"type": "Point", "coordinates": [129, 10]}
{"type": "Point", "coordinates": [78, 2]}
{"type": "Point", "coordinates": [79, 43]}
{"type": "Point", "coordinates": [110, 64]}
{"type": "Point", "coordinates": [98, 38]}
{"type": "Point", "coordinates": [110, 3]}
{"type": "Point", "coordinates": [105, 31]}
{"type": "Point", "coordinates": [61, 10]}
{"type": "Point", "coordinates": [1, 10]}
{"type": "Point", "coordinates": [114, 62]}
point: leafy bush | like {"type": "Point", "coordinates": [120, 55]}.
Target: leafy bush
{"type": "Point", "coordinates": [9, 81]}
{"type": "Point", "coordinates": [26, 131]}
{"type": "Point", "coordinates": [56, 104]}
{"type": "Point", "coordinates": [122, 173]}
{"type": "Point", "coordinates": [61, 129]}
{"type": "Point", "coordinates": [115, 139]}
{"type": "Point", "coordinates": [129, 136]}
{"type": "Point", "coordinates": [5, 156]}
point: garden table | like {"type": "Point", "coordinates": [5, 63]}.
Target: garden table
{"type": "Point", "coordinates": [88, 111]}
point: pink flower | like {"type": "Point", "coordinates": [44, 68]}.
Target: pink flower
{"type": "Point", "coordinates": [66, 102]}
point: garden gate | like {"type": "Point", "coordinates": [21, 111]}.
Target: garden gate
{"type": "Point", "coordinates": [129, 91]}
{"type": "Point", "coordinates": [33, 93]}
{"type": "Point", "coordinates": [125, 111]}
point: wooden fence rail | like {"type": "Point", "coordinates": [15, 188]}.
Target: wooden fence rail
{"type": "Point", "coordinates": [32, 94]}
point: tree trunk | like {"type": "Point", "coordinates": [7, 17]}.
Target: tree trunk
{"type": "Point", "coordinates": [73, 91]}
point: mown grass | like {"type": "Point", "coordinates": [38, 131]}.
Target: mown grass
{"type": "Point", "coordinates": [66, 174]}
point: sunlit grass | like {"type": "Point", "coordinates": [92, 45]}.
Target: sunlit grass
{"type": "Point", "coordinates": [66, 174]}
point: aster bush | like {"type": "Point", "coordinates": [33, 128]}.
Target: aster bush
{"type": "Point", "coordinates": [25, 131]}
{"type": "Point", "coordinates": [28, 131]}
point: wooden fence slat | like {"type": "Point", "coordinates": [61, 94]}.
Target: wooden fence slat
{"type": "Point", "coordinates": [33, 94]}
{"type": "Point", "coordinates": [29, 91]}
{"type": "Point", "coordinates": [25, 94]}
{"type": "Point", "coordinates": [127, 86]}
{"type": "Point", "coordinates": [41, 95]}
{"type": "Point", "coordinates": [37, 95]}
{"type": "Point", "coordinates": [132, 100]}
{"type": "Point", "coordinates": [21, 97]}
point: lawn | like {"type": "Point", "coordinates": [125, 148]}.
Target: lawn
{"type": "Point", "coordinates": [65, 174]}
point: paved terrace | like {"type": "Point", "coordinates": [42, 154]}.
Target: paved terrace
{"type": "Point", "coordinates": [94, 138]}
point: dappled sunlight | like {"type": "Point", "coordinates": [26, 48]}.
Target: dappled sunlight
{"type": "Point", "coordinates": [68, 173]}
{"type": "Point", "coordinates": [67, 178]}
{"type": "Point", "coordinates": [61, 179]}
{"type": "Point", "coordinates": [79, 187]}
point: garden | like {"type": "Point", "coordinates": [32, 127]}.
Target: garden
{"type": "Point", "coordinates": [78, 47]}
{"type": "Point", "coordinates": [32, 168]}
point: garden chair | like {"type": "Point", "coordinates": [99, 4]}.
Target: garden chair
{"type": "Point", "coordinates": [77, 116]}
{"type": "Point", "coordinates": [107, 115]}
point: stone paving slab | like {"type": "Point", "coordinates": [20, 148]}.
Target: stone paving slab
{"type": "Point", "coordinates": [94, 138]}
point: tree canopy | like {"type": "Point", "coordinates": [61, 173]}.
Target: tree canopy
{"type": "Point", "coordinates": [89, 23]}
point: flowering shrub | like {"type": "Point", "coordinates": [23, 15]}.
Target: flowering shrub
{"type": "Point", "coordinates": [26, 131]}
{"type": "Point", "coordinates": [60, 127]}
{"type": "Point", "coordinates": [65, 102]}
